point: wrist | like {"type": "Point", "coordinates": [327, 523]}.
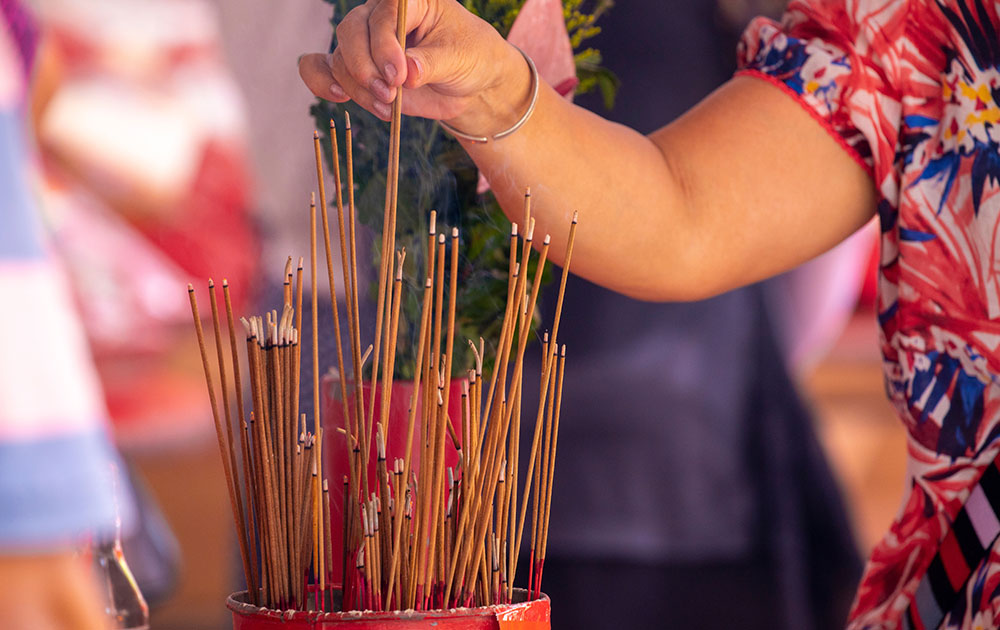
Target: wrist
{"type": "Point", "coordinates": [504, 100]}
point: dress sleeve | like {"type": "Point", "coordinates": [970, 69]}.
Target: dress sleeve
{"type": "Point", "coordinates": [838, 66]}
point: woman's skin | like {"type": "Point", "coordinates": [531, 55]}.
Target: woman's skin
{"type": "Point", "coordinates": [743, 186]}
{"type": "Point", "coordinates": [49, 591]}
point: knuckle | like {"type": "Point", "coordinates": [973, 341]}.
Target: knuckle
{"type": "Point", "coordinates": [339, 68]}
{"type": "Point", "coordinates": [348, 26]}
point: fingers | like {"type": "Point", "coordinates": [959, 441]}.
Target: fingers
{"type": "Point", "coordinates": [424, 65]}
{"type": "Point", "coordinates": [386, 53]}
{"type": "Point", "coordinates": [368, 65]}
{"type": "Point", "coordinates": [318, 76]}
{"type": "Point", "coordinates": [354, 46]}
{"type": "Point", "coordinates": [359, 93]}
{"type": "Point", "coordinates": [353, 66]}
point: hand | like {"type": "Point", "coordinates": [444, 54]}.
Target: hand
{"type": "Point", "coordinates": [48, 592]}
{"type": "Point", "coordinates": [456, 67]}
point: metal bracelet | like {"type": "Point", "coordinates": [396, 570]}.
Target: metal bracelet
{"type": "Point", "coordinates": [535, 81]}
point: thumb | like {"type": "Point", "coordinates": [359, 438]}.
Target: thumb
{"type": "Point", "coordinates": [457, 52]}
{"type": "Point", "coordinates": [429, 65]}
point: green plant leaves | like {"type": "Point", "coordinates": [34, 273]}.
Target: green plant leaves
{"type": "Point", "coordinates": [436, 174]}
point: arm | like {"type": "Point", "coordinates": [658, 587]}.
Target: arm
{"type": "Point", "coordinates": [743, 186]}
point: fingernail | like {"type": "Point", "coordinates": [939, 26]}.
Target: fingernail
{"type": "Point", "coordinates": [381, 90]}
{"type": "Point", "coordinates": [417, 68]}
{"type": "Point", "coordinates": [337, 91]}
{"type": "Point", "coordinates": [390, 72]}
{"type": "Point", "coordinates": [382, 109]}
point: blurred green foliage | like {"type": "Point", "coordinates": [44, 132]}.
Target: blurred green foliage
{"type": "Point", "coordinates": [436, 174]}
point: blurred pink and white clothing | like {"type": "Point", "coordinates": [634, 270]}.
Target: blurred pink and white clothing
{"type": "Point", "coordinates": [55, 477]}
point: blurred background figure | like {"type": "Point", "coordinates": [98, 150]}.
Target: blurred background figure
{"type": "Point", "coordinates": [56, 470]}
{"type": "Point", "coordinates": [149, 179]}
{"type": "Point", "coordinates": [145, 186]}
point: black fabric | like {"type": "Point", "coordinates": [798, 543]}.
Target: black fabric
{"type": "Point", "coordinates": [968, 541]}
{"type": "Point", "coordinates": [804, 527]}
{"type": "Point", "coordinates": [636, 596]}
{"type": "Point", "coordinates": [990, 482]}
{"type": "Point", "coordinates": [944, 594]}
{"type": "Point", "coordinates": [801, 570]}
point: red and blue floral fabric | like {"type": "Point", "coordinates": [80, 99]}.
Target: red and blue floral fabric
{"type": "Point", "coordinates": [911, 89]}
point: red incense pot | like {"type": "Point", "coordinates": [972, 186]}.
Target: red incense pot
{"type": "Point", "coordinates": [523, 615]}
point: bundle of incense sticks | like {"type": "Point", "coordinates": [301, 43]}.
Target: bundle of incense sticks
{"type": "Point", "coordinates": [413, 539]}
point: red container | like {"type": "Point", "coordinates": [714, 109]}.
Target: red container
{"type": "Point", "coordinates": [334, 449]}
{"type": "Point", "coordinates": [533, 615]}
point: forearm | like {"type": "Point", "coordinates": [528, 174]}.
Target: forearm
{"type": "Point", "coordinates": [615, 178]}
{"type": "Point", "coordinates": [726, 195]}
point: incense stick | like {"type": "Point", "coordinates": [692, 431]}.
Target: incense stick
{"type": "Point", "coordinates": [424, 535]}
{"type": "Point", "coordinates": [231, 486]}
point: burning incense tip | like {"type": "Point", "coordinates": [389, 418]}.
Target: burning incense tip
{"type": "Point", "coordinates": [513, 229]}
{"type": "Point", "coordinates": [225, 283]}
{"type": "Point", "coordinates": [400, 257]}
{"type": "Point", "coordinates": [427, 283]}
{"type": "Point", "coordinates": [333, 125]}
{"type": "Point", "coordinates": [315, 135]}
{"type": "Point", "coordinates": [190, 288]}
{"type": "Point", "coordinates": [441, 238]}
{"type": "Point", "coordinates": [576, 216]}
{"type": "Point", "coordinates": [211, 285]}
{"type": "Point", "coordinates": [562, 352]}
{"type": "Point", "coordinates": [454, 232]}
{"type": "Point", "coordinates": [300, 262]}
{"type": "Point", "coordinates": [547, 240]}
{"type": "Point", "coordinates": [527, 191]}
{"type": "Point", "coordinates": [312, 199]}
{"type": "Point", "coordinates": [433, 223]}
{"type": "Point", "coordinates": [479, 357]}
{"type": "Point", "coordinates": [347, 118]}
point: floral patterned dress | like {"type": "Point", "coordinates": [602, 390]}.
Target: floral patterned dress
{"type": "Point", "coordinates": [911, 89]}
